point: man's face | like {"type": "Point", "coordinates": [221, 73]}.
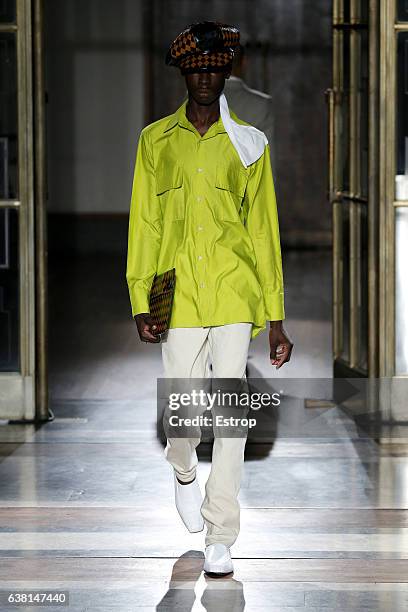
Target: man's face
{"type": "Point", "coordinates": [206, 87]}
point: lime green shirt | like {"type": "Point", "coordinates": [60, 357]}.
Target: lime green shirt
{"type": "Point", "coordinates": [195, 207]}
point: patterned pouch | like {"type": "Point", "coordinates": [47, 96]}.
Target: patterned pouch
{"type": "Point", "coordinates": [161, 300]}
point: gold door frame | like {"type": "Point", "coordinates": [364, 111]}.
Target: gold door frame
{"type": "Point", "coordinates": [18, 396]}
{"type": "Point", "coordinates": [18, 388]}
{"type": "Point", "coordinates": [390, 28]}
{"type": "Point", "coordinates": [386, 175]}
{"type": "Point", "coordinates": [382, 204]}
{"type": "Point", "coordinates": [389, 205]}
{"type": "Point", "coordinates": [373, 189]}
{"type": "Point", "coordinates": [353, 197]}
{"type": "Point", "coordinates": [41, 241]}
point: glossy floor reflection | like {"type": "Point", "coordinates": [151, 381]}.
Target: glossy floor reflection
{"type": "Point", "coordinates": [86, 500]}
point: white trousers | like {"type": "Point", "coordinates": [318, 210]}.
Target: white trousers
{"type": "Point", "coordinates": [186, 353]}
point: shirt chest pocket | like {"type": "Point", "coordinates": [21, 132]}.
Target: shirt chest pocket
{"type": "Point", "coordinates": [231, 184]}
{"type": "Point", "coordinates": [169, 189]}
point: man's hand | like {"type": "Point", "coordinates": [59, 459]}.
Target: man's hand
{"type": "Point", "coordinates": [146, 327]}
{"type": "Point", "coordinates": [280, 344]}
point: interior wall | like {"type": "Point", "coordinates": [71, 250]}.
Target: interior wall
{"type": "Point", "coordinates": [94, 83]}
{"type": "Point", "coordinates": [95, 79]}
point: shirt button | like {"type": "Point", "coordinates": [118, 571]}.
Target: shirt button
{"type": "Point", "coordinates": [199, 257]}
{"type": "Point", "coordinates": [200, 227]}
{"type": "Point", "coordinates": [199, 198]}
{"type": "Point", "coordinates": [202, 285]}
{"type": "Point", "coordinates": [200, 170]}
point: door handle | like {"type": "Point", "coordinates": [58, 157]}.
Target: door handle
{"type": "Point", "coordinates": [330, 101]}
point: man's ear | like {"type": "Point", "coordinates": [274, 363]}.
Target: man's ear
{"type": "Point", "coordinates": [227, 75]}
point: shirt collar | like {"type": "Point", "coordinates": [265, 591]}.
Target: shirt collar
{"type": "Point", "coordinates": [179, 117]}
{"type": "Point", "coordinates": [234, 79]}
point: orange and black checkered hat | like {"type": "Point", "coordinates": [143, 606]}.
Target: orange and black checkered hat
{"type": "Point", "coordinates": [206, 46]}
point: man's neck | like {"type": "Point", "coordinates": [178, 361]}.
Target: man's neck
{"type": "Point", "coordinates": [202, 116]}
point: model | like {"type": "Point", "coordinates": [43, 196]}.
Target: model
{"type": "Point", "coordinates": [203, 201]}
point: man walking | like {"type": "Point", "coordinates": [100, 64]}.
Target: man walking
{"type": "Point", "coordinates": [203, 201]}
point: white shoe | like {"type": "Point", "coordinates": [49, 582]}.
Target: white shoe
{"type": "Point", "coordinates": [218, 559]}
{"type": "Point", "coordinates": [188, 503]}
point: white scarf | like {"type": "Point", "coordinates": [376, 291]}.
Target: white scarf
{"type": "Point", "coordinates": [248, 141]}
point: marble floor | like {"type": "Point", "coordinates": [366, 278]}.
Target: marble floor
{"type": "Point", "coordinates": [86, 499]}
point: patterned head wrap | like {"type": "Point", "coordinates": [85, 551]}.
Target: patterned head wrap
{"type": "Point", "coordinates": [206, 46]}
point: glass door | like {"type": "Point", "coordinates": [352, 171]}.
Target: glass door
{"type": "Point", "coordinates": [17, 252]}
{"type": "Point", "coordinates": [349, 186]}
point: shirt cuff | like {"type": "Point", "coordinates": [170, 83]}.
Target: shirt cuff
{"type": "Point", "coordinates": [139, 298]}
{"type": "Point", "coordinates": [274, 305]}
